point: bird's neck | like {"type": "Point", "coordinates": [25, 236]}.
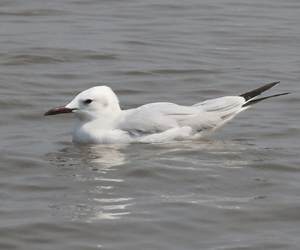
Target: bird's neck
{"type": "Point", "coordinates": [100, 120]}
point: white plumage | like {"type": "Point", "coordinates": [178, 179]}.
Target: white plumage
{"type": "Point", "coordinates": [101, 119]}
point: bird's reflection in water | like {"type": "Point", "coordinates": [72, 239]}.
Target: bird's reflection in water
{"type": "Point", "coordinates": [101, 180]}
{"type": "Point", "coordinates": [92, 189]}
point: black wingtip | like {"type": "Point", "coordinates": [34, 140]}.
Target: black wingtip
{"type": "Point", "coordinates": [251, 102]}
{"type": "Point", "coordinates": [251, 94]}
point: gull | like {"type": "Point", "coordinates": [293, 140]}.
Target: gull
{"type": "Point", "coordinates": [101, 119]}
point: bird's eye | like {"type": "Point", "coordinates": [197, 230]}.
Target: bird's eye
{"type": "Point", "coordinates": [87, 101]}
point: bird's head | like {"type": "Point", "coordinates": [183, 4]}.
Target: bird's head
{"type": "Point", "coordinates": [91, 104]}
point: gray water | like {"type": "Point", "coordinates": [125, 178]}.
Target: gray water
{"type": "Point", "coordinates": [238, 190]}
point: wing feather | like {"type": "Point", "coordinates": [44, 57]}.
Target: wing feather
{"type": "Point", "coordinates": [159, 117]}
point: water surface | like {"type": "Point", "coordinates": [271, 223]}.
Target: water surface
{"type": "Point", "coordinates": [238, 190]}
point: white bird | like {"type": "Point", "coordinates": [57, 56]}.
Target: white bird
{"type": "Point", "coordinates": [101, 119]}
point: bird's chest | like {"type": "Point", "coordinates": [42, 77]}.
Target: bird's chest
{"type": "Point", "coordinates": [94, 134]}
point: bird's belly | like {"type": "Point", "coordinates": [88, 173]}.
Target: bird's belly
{"type": "Point", "coordinates": [100, 136]}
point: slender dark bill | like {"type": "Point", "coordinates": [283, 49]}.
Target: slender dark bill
{"type": "Point", "coordinates": [59, 110]}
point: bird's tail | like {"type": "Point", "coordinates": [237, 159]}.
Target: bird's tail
{"type": "Point", "coordinates": [252, 94]}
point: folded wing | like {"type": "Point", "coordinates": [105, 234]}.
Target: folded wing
{"type": "Point", "coordinates": [159, 117]}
